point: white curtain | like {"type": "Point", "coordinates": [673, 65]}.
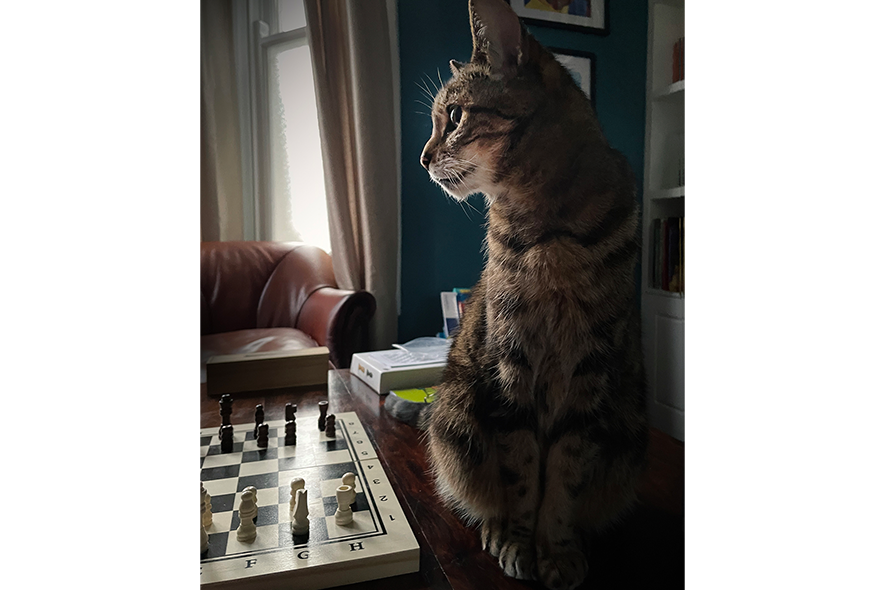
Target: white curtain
{"type": "Point", "coordinates": [355, 76]}
{"type": "Point", "coordinates": [221, 192]}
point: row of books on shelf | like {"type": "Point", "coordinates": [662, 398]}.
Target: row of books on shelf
{"type": "Point", "coordinates": [667, 255]}
{"type": "Point", "coordinates": [679, 59]}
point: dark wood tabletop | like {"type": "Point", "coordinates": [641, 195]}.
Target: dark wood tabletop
{"type": "Point", "coordinates": [644, 551]}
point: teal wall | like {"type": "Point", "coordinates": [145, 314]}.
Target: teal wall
{"type": "Point", "coordinates": [442, 241]}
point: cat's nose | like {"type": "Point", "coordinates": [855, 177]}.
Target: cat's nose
{"type": "Point", "coordinates": [425, 160]}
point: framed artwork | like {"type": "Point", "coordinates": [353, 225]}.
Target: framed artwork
{"type": "Point", "coordinates": [588, 16]}
{"type": "Point", "coordinates": [582, 66]}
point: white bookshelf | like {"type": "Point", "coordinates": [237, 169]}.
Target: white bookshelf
{"type": "Point", "coordinates": [664, 195]}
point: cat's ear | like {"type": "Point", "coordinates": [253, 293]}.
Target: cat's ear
{"type": "Point", "coordinates": [456, 66]}
{"type": "Point", "coordinates": [498, 39]}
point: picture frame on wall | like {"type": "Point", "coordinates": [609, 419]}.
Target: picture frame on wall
{"type": "Point", "coordinates": [582, 66]}
{"type": "Point", "coordinates": [587, 16]}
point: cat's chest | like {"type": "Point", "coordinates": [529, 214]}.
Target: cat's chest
{"type": "Point", "coordinates": [538, 295]}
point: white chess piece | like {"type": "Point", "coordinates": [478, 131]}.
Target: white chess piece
{"type": "Point", "coordinates": [297, 483]}
{"type": "Point", "coordinates": [246, 511]}
{"type": "Point", "coordinates": [206, 512]}
{"type": "Point", "coordinates": [348, 479]}
{"type": "Point", "coordinates": [300, 517]}
{"type": "Point", "coordinates": [252, 490]}
{"type": "Point", "coordinates": [343, 516]}
{"type": "Point", "coordinates": [205, 539]}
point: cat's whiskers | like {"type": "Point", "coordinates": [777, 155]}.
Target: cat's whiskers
{"type": "Point", "coordinates": [462, 183]}
{"type": "Point", "coordinates": [477, 165]}
{"type": "Point", "coordinates": [426, 89]}
{"type": "Point", "coordinates": [433, 84]}
{"type": "Point", "coordinates": [461, 203]}
{"type": "Point", "coordinates": [470, 205]}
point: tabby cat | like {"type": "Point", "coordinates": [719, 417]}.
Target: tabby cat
{"type": "Point", "coordinates": [538, 432]}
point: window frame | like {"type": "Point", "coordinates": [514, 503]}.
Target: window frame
{"type": "Point", "coordinates": [253, 22]}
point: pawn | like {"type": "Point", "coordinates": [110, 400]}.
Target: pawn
{"type": "Point", "coordinates": [227, 438]}
{"type": "Point", "coordinates": [206, 513]}
{"type": "Point", "coordinates": [262, 439]}
{"type": "Point", "coordinates": [296, 484]}
{"type": "Point", "coordinates": [329, 429]}
{"type": "Point", "coordinates": [259, 417]}
{"type": "Point", "coordinates": [290, 433]}
{"type": "Point", "coordinates": [205, 538]}
{"type": "Point", "coordinates": [290, 412]}
{"type": "Point", "coordinates": [348, 479]}
{"type": "Point", "coordinates": [343, 515]}
{"type": "Point", "coordinates": [323, 411]}
{"type": "Point", "coordinates": [225, 409]}
{"type": "Point", "coordinates": [246, 511]}
{"type": "Point", "coordinates": [300, 517]}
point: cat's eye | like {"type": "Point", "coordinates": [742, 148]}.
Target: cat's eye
{"type": "Point", "coordinates": [454, 115]}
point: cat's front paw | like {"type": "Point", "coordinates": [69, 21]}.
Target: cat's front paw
{"type": "Point", "coordinates": [562, 571]}
{"type": "Point", "coordinates": [517, 559]}
{"type": "Point", "coordinates": [491, 532]}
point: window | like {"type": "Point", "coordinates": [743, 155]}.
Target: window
{"type": "Point", "coordinates": [281, 147]}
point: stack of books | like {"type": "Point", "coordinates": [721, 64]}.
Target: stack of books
{"type": "Point", "coordinates": [667, 255]}
{"type": "Point", "coordinates": [418, 363]}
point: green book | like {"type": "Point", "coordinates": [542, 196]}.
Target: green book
{"type": "Point", "coordinates": [425, 394]}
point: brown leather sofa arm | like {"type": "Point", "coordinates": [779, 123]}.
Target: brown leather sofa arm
{"type": "Point", "coordinates": [339, 318]}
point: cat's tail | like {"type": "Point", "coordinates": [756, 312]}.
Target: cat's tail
{"type": "Point", "coordinates": [414, 414]}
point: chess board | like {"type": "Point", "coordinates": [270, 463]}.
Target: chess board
{"type": "Point", "coordinates": [378, 543]}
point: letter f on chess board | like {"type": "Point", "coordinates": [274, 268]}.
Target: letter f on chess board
{"type": "Point", "coordinates": [377, 542]}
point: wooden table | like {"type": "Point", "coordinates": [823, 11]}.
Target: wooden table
{"type": "Point", "coordinates": [645, 551]}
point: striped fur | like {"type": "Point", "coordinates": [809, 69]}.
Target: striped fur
{"type": "Point", "coordinates": [538, 433]}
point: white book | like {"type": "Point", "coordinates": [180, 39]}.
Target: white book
{"type": "Point", "coordinates": [384, 370]}
{"type": "Point", "coordinates": [449, 312]}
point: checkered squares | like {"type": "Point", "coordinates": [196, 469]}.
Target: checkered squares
{"type": "Point", "coordinates": [319, 460]}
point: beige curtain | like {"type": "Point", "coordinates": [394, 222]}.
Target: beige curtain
{"type": "Point", "coordinates": [353, 68]}
{"type": "Point", "coordinates": [221, 191]}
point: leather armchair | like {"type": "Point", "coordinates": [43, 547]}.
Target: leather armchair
{"type": "Point", "coordinates": [262, 296]}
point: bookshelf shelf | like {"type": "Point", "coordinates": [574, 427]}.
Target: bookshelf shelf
{"type": "Point", "coordinates": [663, 293]}
{"type": "Point", "coordinates": [678, 192]}
{"type": "Point", "coordinates": [673, 92]}
{"type": "Point", "coordinates": [664, 210]}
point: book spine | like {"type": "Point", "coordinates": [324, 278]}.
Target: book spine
{"type": "Point", "coordinates": [682, 255]}
{"type": "Point", "coordinates": [682, 54]}
{"type": "Point", "coordinates": [655, 262]}
{"type": "Point", "coordinates": [462, 296]}
{"type": "Point", "coordinates": [675, 62]}
{"type": "Point", "coordinates": [366, 371]}
{"type": "Point", "coordinates": [449, 312]}
{"type": "Point", "coordinates": [665, 246]}
{"type": "Point", "coordinates": [673, 256]}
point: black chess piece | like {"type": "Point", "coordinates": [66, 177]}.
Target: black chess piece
{"type": "Point", "coordinates": [226, 438]}
{"type": "Point", "coordinates": [329, 429]}
{"type": "Point", "coordinates": [290, 433]}
{"type": "Point", "coordinates": [225, 410]}
{"type": "Point", "coordinates": [262, 439]}
{"type": "Point", "coordinates": [259, 417]}
{"type": "Point", "coordinates": [323, 411]}
{"type": "Point", "coordinates": [290, 412]}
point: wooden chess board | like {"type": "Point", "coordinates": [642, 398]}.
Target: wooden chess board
{"type": "Point", "coordinates": [378, 543]}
